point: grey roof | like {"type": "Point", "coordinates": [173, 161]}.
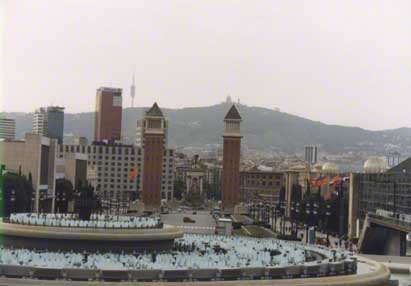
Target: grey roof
{"type": "Point", "coordinates": [154, 111]}
{"type": "Point", "coordinates": [404, 166]}
{"type": "Point", "coordinates": [233, 113]}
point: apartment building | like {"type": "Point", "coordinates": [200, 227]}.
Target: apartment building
{"type": "Point", "coordinates": [118, 169]}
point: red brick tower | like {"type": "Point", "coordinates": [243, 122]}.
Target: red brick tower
{"type": "Point", "coordinates": [230, 193]}
{"type": "Point", "coordinates": [108, 114]}
{"type": "Point", "coordinates": [153, 149]}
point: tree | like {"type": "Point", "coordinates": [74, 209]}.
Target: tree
{"type": "Point", "coordinates": [179, 189]}
{"type": "Point", "coordinates": [64, 193]}
{"type": "Point", "coordinates": [17, 190]}
{"type": "Point", "coordinates": [86, 202]}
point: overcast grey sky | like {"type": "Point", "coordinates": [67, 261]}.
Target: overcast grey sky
{"type": "Point", "coordinates": [341, 62]}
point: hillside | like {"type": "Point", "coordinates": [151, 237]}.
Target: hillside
{"type": "Point", "coordinates": [263, 129]}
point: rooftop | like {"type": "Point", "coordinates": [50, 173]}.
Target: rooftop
{"type": "Point", "coordinates": [154, 111]}
{"type": "Point", "coordinates": [233, 114]}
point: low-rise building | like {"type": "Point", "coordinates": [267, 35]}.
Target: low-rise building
{"type": "Point", "coordinates": [261, 185]}
{"type": "Point", "coordinates": [34, 156]}
{"type": "Point", "coordinates": [379, 192]}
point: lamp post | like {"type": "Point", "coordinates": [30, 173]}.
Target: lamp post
{"type": "Point", "coordinates": [297, 210]}
{"type": "Point", "coordinates": [307, 221]}
{"type": "Point", "coordinates": [327, 216]}
{"type": "Point", "coordinates": [13, 201]}
{"type": "Point", "coordinates": [41, 202]}
{"type": "Point", "coordinates": [292, 216]}
{"type": "Point", "coordinates": [282, 210]}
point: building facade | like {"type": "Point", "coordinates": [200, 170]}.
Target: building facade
{"type": "Point", "coordinates": [40, 121]}
{"type": "Point", "coordinates": [7, 128]}
{"type": "Point", "coordinates": [35, 156]}
{"type": "Point", "coordinates": [230, 189]}
{"type": "Point", "coordinates": [310, 154]}
{"type": "Point", "coordinates": [264, 186]}
{"type": "Point", "coordinates": [72, 167]}
{"type": "Point", "coordinates": [49, 122]}
{"type": "Point", "coordinates": [55, 123]}
{"type": "Point", "coordinates": [388, 192]}
{"type": "Point", "coordinates": [116, 170]}
{"type": "Point", "coordinates": [107, 125]}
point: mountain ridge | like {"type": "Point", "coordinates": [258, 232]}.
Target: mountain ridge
{"type": "Point", "coordinates": [262, 128]}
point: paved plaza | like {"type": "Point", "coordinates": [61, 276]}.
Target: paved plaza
{"type": "Point", "coordinates": [203, 221]}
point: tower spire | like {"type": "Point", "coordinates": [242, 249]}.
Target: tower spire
{"type": "Point", "coordinates": [132, 90]}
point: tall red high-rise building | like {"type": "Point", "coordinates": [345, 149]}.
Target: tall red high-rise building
{"type": "Point", "coordinates": [107, 124]}
{"type": "Point", "coordinates": [230, 191]}
{"type": "Point", "coordinates": [154, 126]}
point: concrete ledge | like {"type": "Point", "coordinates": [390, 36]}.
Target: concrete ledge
{"type": "Point", "coordinates": [80, 274]}
{"type": "Point", "coordinates": [18, 271]}
{"type": "Point", "coordinates": [152, 234]}
{"type": "Point", "coordinates": [204, 274]}
{"type": "Point", "coordinates": [89, 239]}
{"type": "Point", "coordinates": [379, 276]}
{"type": "Point", "coordinates": [145, 275]}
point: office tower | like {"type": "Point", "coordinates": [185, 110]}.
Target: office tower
{"type": "Point", "coordinates": [230, 193]}
{"type": "Point", "coordinates": [154, 148]}
{"type": "Point", "coordinates": [7, 128]}
{"type": "Point", "coordinates": [310, 154]}
{"type": "Point", "coordinates": [55, 123]}
{"type": "Point", "coordinates": [108, 114]}
{"type": "Point", "coordinates": [40, 121]}
{"type": "Point", "coordinates": [49, 122]}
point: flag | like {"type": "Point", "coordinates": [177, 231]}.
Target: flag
{"type": "Point", "coordinates": [133, 174]}
{"type": "Point", "coordinates": [322, 181]}
{"type": "Point", "coordinates": [336, 180]}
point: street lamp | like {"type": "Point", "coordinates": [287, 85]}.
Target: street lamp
{"type": "Point", "coordinates": [282, 211]}
{"type": "Point", "coordinates": [327, 215]}
{"type": "Point", "coordinates": [297, 210]}
{"type": "Point", "coordinates": [292, 216]}
{"type": "Point", "coordinates": [13, 200]}
{"type": "Point", "coordinates": [307, 221]}
{"type": "Point", "coordinates": [41, 202]}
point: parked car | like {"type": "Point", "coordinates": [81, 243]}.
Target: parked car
{"type": "Point", "coordinates": [187, 219]}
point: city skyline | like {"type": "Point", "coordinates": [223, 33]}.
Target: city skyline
{"type": "Point", "coordinates": [305, 59]}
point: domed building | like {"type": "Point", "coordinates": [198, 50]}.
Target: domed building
{"type": "Point", "coordinates": [375, 165]}
{"type": "Point", "coordinates": [330, 168]}
{"type": "Point", "coordinates": [317, 168]}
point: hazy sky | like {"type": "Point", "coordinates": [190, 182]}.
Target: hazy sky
{"type": "Point", "coordinates": [341, 62]}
